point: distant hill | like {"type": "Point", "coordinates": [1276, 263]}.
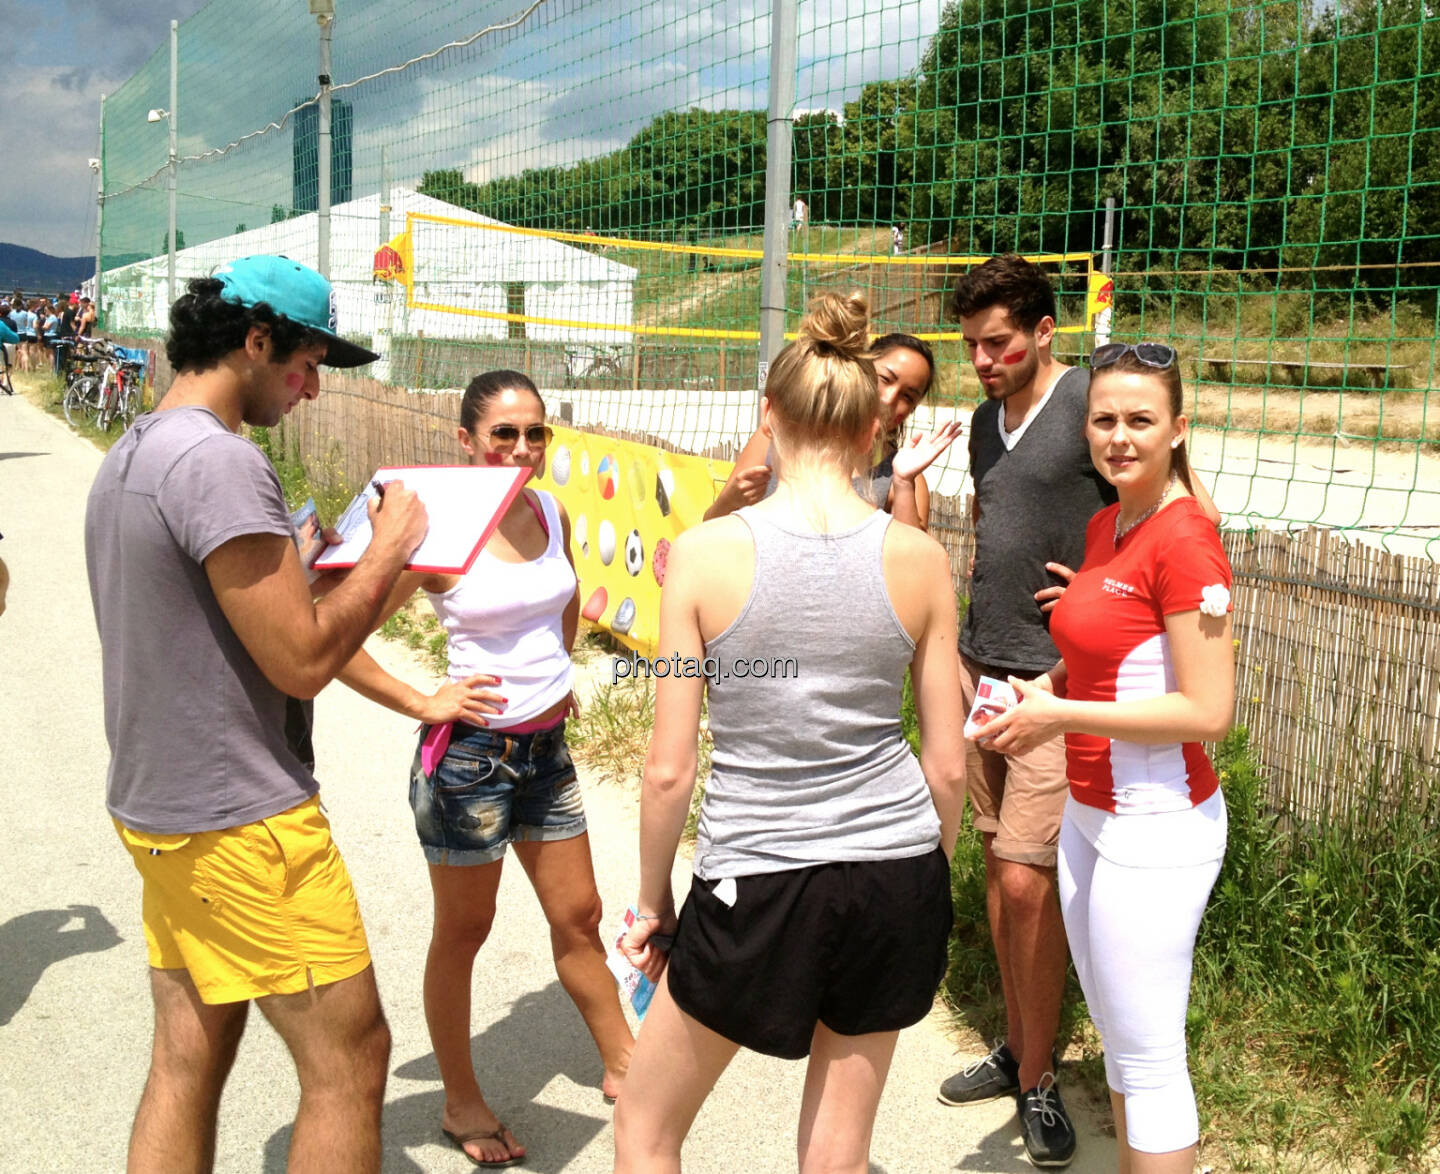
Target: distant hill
{"type": "Point", "coordinates": [40, 273]}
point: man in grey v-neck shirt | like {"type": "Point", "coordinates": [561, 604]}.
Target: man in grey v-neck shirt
{"type": "Point", "coordinates": [209, 636]}
{"type": "Point", "coordinates": [1035, 490]}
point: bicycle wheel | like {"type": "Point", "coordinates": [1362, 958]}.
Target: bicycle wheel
{"type": "Point", "coordinates": [129, 405]}
{"type": "Point", "coordinates": [110, 393]}
{"type": "Point", "coordinates": [79, 402]}
{"type": "Point", "coordinates": [5, 385]}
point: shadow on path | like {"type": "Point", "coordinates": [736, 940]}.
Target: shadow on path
{"type": "Point", "coordinates": [9, 456]}
{"type": "Point", "coordinates": [32, 941]}
{"type": "Point", "coordinates": [515, 1059]}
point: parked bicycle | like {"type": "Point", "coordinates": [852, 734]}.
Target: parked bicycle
{"type": "Point", "coordinates": [120, 391]}
{"type": "Point", "coordinates": [103, 386]}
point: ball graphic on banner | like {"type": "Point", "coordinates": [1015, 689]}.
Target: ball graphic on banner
{"type": "Point", "coordinates": [606, 539]}
{"type": "Point", "coordinates": [595, 606]}
{"type": "Point", "coordinates": [624, 617]}
{"type": "Point", "coordinates": [584, 464]}
{"type": "Point", "coordinates": [560, 465]}
{"type": "Point", "coordinates": [580, 535]}
{"type": "Point", "coordinates": [664, 491]}
{"type": "Point", "coordinates": [637, 483]}
{"type": "Point", "coordinates": [634, 553]}
{"type": "Point", "coordinates": [608, 476]}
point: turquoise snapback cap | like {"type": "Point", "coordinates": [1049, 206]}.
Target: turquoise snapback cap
{"type": "Point", "coordinates": [295, 292]}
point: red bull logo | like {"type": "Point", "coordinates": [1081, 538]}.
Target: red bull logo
{"type": "Point", "coordinates": [389, 264]}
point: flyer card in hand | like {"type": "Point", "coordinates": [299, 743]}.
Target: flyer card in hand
{"type": "Point", "coordinates": [992, 698]}
{"type": "Point", "coordinates": [635, 986]}
{"type": "Point", "coordinates": [464, 504]}
{"type": "Point", "coordinates": [307, 537]}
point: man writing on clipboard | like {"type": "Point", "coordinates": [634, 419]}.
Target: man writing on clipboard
{"type": "Point", "coordinates": [209, 633]}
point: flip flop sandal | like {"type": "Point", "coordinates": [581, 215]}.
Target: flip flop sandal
{"type": "Point", "coordinates": [497, 1134]}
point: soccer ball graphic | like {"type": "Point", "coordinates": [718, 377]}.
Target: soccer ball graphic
{"type": "Point", "coordinates": [634, 553]}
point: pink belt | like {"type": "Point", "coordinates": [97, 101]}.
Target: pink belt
{"type": "Point", "coordinates": [437, 741]}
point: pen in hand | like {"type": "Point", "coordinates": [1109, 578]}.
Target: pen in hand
{"type": "Point", "coordinates": [379, 489]}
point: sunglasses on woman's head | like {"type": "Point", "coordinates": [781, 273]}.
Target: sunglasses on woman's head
{"type": "Point", "coordinates": [1152, 354]}
{"type": "Point", "coordinates": [508, 435]}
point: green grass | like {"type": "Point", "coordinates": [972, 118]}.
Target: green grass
{"type": "Point", "coordinates": [1315, 1010]}
{"type": "Point", "coordinates": [322, 480]}
{"type": "Point", "coordinates": [46, 391]}
{"type": "Point", "coordinates": [415, 626]}
{"type": "Point", "coordinates": [1314, 1019]}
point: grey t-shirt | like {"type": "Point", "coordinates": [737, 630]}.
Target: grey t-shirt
{"type": "Point", "coordinates": [1035, 502]}
{"type": "Point", "coordinates": [199, 737]}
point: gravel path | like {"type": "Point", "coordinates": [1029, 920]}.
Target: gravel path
{"type": "Point", "coordinates": [74, 1005]}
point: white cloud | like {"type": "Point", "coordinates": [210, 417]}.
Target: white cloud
{"type": "Point", "coordinates": [47, 201]}
{"type": "Point", "coordinates": [577, 81]}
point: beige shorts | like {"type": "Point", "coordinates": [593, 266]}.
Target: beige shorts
{"type": "Point", "coordinates": [1020, 798]}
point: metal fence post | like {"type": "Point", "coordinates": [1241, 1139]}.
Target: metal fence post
{"type": "Point", "coordinates": [779, 131]}
{"type": "Point", "coordinates": [174, 140]}
{"type": "Point", "coordinates": [1107, 267]}
{"type": "Point", "coordinates": [326, 20]}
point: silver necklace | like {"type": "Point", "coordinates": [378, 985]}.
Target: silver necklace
{"type": "Point", "coordinates": [1150, 513]}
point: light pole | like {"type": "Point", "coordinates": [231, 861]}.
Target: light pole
{"type": "Point", "coordinates": [97, 165]}
{"type": "Point", "coordinates": [781, 128]}
{"type": "Point", "coordinates": [168, 116]}
{"type": "Point", "coordinates": [324, 13]}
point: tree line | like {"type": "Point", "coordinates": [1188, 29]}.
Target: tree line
{"type": "Point", "coordinates": [1232, 135]}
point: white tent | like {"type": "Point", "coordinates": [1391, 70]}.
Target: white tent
{"type": "Point", "coordinates": [459, 267]}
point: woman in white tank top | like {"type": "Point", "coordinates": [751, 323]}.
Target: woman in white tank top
{"type": "Point", "coordinates": [492, 768]}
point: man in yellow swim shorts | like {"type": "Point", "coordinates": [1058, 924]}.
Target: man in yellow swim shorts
{"type": "Point", "coordinates": [209, 635]}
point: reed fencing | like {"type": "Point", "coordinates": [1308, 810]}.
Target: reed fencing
{"type": "Point", "coordinates": [1337, 644]}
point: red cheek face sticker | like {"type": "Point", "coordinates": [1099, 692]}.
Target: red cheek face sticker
{"type": "Point", "coordinates": [493, 459]}
{"type": "Point", "coordinates": [294, 380]}
{"type": "Point", "coordinates": [1011, 359]}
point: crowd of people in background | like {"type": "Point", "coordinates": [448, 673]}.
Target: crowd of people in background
{"type": "Point", "coordinates": [46, 327]}
{"type": "Point", "coordinates": [817, 919]}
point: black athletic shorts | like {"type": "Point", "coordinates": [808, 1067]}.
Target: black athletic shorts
{"type": "Point", "coordinates": [859, 947]}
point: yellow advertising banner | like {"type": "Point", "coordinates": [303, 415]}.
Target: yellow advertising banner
{"type": "Point", "coordinates": [627, 502]}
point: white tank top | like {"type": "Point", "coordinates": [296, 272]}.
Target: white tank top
{"type": "Point", "coordinates": [504, 619]}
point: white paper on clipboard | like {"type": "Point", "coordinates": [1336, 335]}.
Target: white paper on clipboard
{"type": "Point", "coordinates": [464, 503]}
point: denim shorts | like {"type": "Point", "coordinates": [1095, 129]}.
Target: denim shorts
{"type": "Point", "coordinates": [492, 787]}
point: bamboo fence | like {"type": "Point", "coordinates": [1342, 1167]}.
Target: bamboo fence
{"type": "Point", "coordinates": [1337, 644]}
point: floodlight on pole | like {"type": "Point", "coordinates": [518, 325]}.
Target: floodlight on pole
{"type": "Point", "coordinates": [170, 118]}
{"type": "Point", "coordinates": [324, 13]}
{"type": "Point", "coordinates": [157, 115]}
{"type": "Point", "coordinates": [98, 167]}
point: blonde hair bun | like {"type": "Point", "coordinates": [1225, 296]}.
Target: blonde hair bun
{"type": "Point", "coordinates": [840, 322]}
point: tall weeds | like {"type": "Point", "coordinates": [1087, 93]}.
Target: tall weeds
{"type": "Point", "coordinates": [1314, 1018]}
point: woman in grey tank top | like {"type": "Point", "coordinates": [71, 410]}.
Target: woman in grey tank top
{"type": "Point", "coordinates": [820, 907]}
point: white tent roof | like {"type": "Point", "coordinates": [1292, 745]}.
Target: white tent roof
{"type": "Point", "coordinates": [442, 252]}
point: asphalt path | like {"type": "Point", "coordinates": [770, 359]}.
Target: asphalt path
{"type": "Point", "coordinates": [74, 1002]}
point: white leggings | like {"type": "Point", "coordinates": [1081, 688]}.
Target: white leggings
{"type": "Point", "coordinates": [1132, 936]}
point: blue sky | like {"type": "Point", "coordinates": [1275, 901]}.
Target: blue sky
{"type": "Point", "coordinates": [580, 78]}
{"type": "Point", "coordinates": [57, 59]}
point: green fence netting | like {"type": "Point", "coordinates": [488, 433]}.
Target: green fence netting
{"type": "Point", "coordinates": [579, 189]}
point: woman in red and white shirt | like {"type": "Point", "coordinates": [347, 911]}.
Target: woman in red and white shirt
{"type": "Point", "coordinates": [1147, 674]}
